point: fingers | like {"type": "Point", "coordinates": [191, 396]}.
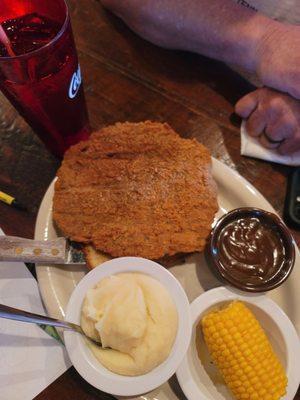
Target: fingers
{"type": "Point", "coordinates": [246, 105]}
{"type": "Point", "coordinates": [276, 133]}
{"type": "Point", "coordinates": [256, 123]}
{"type": "Point", "coordinates": [267, 142]}
{"type": "Point", "coordinates": [291, 145]}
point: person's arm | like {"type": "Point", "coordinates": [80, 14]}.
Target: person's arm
{"type": "Point", "coordinates": [223, 30]}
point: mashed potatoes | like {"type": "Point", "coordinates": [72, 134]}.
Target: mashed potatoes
{"type": "Point", "coordinates": [133, 315]}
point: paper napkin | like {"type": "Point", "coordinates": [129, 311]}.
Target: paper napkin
{"type": "Point", "coordinates": [250, 146]}
{"type": "Point", "coordinates": [30, 359]}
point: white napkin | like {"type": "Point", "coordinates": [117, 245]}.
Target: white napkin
{"type": "Point", "coordinates": [29, 358]}
{"type": "Point", "coordinates": [250, 146]}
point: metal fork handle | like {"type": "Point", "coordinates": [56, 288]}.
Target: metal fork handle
{"type": "Point", "coordinates": [25, 316]}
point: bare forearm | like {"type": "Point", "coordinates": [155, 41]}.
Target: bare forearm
{"type": "Point", "coordinates": [220, 29]}
{"type": "Point", "coordinates": [223, 30]}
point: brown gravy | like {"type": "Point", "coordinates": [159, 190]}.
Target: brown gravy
{"type": "Point", "coordinates": [252, 251]}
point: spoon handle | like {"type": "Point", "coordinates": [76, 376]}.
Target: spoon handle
{"type": "Point", "coordinates": [24, 316]}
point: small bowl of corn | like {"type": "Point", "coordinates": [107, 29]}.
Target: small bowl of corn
{"type": "Point", "coordinates": [243, 347]}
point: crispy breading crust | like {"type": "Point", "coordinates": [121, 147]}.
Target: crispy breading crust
{"type": "Point", "coordinates": [136, 189]}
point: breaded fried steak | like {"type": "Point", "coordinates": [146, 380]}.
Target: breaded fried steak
{"type": "Point", "coordinates": [136, 189]}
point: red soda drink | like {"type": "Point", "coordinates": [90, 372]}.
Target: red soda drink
{"type": "Point", "coordinates": [40, 73]}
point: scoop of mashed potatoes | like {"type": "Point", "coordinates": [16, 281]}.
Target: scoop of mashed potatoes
{"type": "Point", "coordinates": [134, 317]}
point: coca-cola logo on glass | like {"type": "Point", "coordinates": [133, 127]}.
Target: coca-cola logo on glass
{"type": "Point", "coordinates": [75, 83]}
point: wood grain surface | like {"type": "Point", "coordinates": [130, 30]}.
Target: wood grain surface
{"type": "Point", "coordinates": [128, 79]}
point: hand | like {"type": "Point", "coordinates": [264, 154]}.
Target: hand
{"type": "Point", "coordinates": [273, 117]}
{"type": "Point", "coordinates": [278, 58]}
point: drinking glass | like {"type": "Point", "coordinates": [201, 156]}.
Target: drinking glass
{"type": "Point", "coordinates": [44, 84]}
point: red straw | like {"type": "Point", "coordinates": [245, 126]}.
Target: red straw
{"type": "Point", "coordinates": [5, 40]}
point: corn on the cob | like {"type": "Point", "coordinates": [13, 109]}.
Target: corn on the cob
{"type": "Point", "coordinates": [243, 354]}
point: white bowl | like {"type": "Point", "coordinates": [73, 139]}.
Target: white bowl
{"type": "Point", "coordinates": [201, 379]}
{"type": "Point", "coordinates": [83, 359]}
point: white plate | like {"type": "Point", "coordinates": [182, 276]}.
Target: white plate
{"type": "Point", "coordinates": [56, 283]}
{"type": "Point", "coordinates": [84, 361]}
{"type": "Point", "coordinates": [201, 380]}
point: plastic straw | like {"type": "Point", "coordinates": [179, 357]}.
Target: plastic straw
{"type": "Point", "coordinates": [5, 40]}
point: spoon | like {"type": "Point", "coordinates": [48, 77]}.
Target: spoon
{"type": "Point", "coordinates": [24, 316]}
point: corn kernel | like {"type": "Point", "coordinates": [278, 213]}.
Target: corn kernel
{"type": "Point", "coordinates": [250, 390]}
{"type": "Point", "coordinates": [262, 392]}
{"type": "Point", "coordinates": [226, 353]}
{"type": "Point", "coordinates": [241, 389]}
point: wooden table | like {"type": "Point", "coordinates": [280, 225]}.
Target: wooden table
{"type": "Point", "coordinates": [127, 78]}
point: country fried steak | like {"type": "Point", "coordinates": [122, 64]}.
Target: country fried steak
{"type": "Point", "coordinates": [136, 189]}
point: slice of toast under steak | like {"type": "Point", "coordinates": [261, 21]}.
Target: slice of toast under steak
{"type": "Point", "coordinates": [94, 257]}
